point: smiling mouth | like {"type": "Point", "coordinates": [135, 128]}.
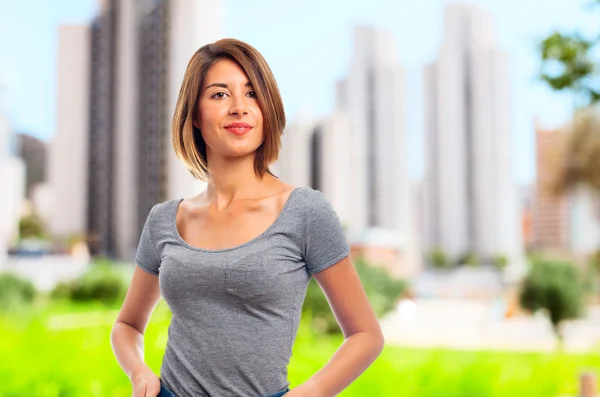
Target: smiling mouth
{"type": "Point", "coordinates": [238, 130]}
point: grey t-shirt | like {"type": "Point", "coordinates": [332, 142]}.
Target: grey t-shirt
{"type": "Point", "coordinates": [236, 310]}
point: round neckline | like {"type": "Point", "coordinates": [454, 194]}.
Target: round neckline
{"type": "Point", "coordinates": [182, 241]}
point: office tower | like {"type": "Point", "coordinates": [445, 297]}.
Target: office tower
{"type": "Point", "coordinates": [471, 197]}
{"type": "Point", "coordinates": [68, 149]}
{"type": "Point", "coordinates": [34, 154]}
{"type": "Point", "coordinates": [372, 95]}
{"type": "Point", "coordinates": [12, 180]}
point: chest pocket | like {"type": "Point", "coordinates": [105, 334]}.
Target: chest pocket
{"type": "Point", "coordinates": [246, 279]}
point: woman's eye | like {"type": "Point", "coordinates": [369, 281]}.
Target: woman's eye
{"type": "Point", "coordinates": [218, 95]}
{"type": "Point", "coordinates": [252, 94]}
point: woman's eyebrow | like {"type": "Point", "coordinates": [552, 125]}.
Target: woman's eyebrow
{"type": "Point", "coordinates": [223, 85]}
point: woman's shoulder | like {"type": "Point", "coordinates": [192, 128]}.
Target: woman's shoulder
{"type": "Point", "coordinates": [310, 200]}
{"type": "Point", "coordinates": [162, 212]}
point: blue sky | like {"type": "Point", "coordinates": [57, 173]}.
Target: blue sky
{"type": "Point", "coordinates": [308, 46]}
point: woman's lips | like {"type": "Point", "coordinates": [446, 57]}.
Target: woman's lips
{"type": "Point", "coordinates": [238, 128]}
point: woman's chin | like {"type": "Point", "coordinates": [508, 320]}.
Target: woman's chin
{"type": "Point", "coordinates": [240, 153]}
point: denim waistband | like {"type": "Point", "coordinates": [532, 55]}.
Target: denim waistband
{"type": "Point", "coordinates": [279, 393]}
{"type": "Point", "coordinates": [165, 392]}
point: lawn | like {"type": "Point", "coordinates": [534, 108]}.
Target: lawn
{"type": "Point", "coordinates": [64, 350]}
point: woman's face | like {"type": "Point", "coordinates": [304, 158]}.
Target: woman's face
{"type": "Point", "coordinates": [229, 117]}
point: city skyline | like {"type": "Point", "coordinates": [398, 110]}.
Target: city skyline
{"type": "Point", "coordinates": [329, 41]}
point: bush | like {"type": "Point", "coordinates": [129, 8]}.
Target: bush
{"type": "Point", "coordinates": [382, 291]}
{"type": "Point", "coordinates": [556, 287]}
{"type": "Point", "coordinates": [469, 259]}
{"type": "Point", "coordinates": [438, 259]}
{"type": "Point", "coordinates": [31, 226]}
{"type": "Point", "coordinates": [500, 261]}
{"type": "Point", "coordinates": [15, 291]}
{"type": "Point", "coordinates": [102, 282]}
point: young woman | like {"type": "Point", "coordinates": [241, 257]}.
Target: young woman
{"type": "Point", "coordinates": [233, 263]}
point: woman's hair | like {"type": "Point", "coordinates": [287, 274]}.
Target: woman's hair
{"type": "Point", "coordinates": [187, 139]}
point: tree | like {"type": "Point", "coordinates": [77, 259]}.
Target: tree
{"type": "Point", "coordinates": [557, 288]}
{"type": "Point", "coordinates": [568, 64]}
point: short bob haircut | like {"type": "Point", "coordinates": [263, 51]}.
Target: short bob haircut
{"type": "Point", "coordinates": [187, 140]}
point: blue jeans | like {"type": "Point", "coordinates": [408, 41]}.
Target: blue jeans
{"type": "Point", "coordinates": [164, 392]}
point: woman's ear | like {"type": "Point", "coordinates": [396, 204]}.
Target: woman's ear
{"type": "Point", "coordinates": [196, 123]}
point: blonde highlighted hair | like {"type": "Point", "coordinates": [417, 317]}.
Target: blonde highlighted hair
{"type": "Point", "coordinates": [187, 139]}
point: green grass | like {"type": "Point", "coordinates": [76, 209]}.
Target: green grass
{"type": "Point", "coordinates": [64, 350]}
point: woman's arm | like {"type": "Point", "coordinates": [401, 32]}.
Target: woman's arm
{"type": "Point", "coordinates": [363, 340]}
{"type": "Point", "coordinates": [127, 336]}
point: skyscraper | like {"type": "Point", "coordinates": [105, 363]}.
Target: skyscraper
{"type": "Point", "coordinates": [471, 196]}
{"type": "Point", "coordinates": [372, 96]}
{"type": "Point", "coordinates": [69, 155]}
{"type": "Point", "coordinates": [100, 228]}
{"type": "Point", "coordinates": [33, 152]}
{"type": "Point", "coordinates": [316, 153]}
{"type": "Point", "coordinates": [12, 180]}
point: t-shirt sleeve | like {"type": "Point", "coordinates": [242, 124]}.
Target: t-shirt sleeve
{"type": "Point", "coordinates": [147, 256]}
{"type": "Point", "coordinates": [325, 240]}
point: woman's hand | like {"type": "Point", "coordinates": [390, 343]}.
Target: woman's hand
{"type": "Point", "coordinates": [145, 383]}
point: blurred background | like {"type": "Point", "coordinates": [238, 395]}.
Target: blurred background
{"type": "Point", "coordinates": [459, 143]}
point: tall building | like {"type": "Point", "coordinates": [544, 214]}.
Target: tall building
{"type": "Point", "coordinates": [315, 153]}
{"type": "Point", "coordinates": [372, 95]}
{"type": "Point", "coordinates": [101, 158]}
{"type": "Point", "coordinates": [550, 228]}
{"type": "Point", "coordinates": [471, 198]}
{"type": "Point", "coordinates": [330, 170]}
{"type": "Point", "coordinates": [12, 180]}
{"type": "Point", "coordinates": [33, 152]}
{"type": "Point", "coordinates": [294, 163]}
{"type": "Point", "coordinates": [358, 158]}
{"type": "Point", "coordinates": [139, 53]}
{"type": "Point", "coordinates": [68, 149]}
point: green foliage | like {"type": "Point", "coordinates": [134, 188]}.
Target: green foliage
{"type": "Point", "coordinates": [557, 288]}
{"type": "Point", "coordinates": [438, 258]}
{"type": "Point", "coordinates": [102, 282]}
{"type": "Point", "coordinates": [500, 261]}
{"type": "Point", "coordinates": [381, 289]}
{"type": "Point", "coordinates": [567, 64]}
{"type": "Point", "coordinates": [469, 259]}
{"type": "Point", "coordinates": [31, 226]}
{"type": "Point", "coordinates": [14, 291]}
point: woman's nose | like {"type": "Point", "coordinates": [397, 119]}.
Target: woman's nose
{"type": "Point", "coordinates": [238, 107]}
